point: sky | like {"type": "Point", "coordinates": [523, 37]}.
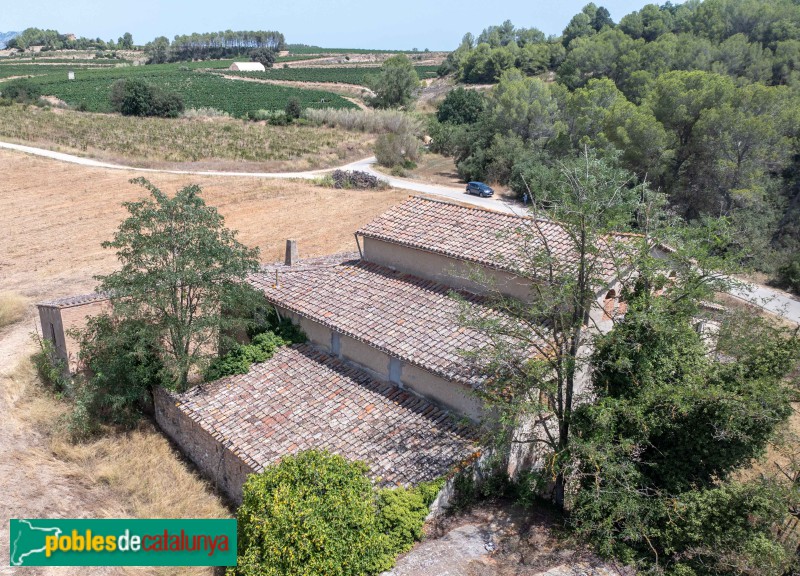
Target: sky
{"type": "Point", "coordinates": [436, 25]}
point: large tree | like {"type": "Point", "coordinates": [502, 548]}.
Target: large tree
{"type": "Point", "coordinates": [181, 269]}
{"type": "Point", "coordinates": [396, 84]}
{"type": "Point", "coordinates": [658, 451]}
{"type": "Point", "coordinates": [536, 368]}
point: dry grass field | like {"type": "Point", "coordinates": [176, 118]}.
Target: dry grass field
{"type": "Point", "coordinates": [53, 217]}
{"type": "Point", "coordinates": [189, 144]}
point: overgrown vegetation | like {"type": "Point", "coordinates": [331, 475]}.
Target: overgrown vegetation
{"type": "Point", "coordinates": [700, 98]}
{"type": "Point", "coordinates": [658, 452]}
{"type": "Point", "coordinates": [266, 334]}
{"type": "Point", "coordinates": [644, 462]}
{"type": "Point", "coordinates": [119, 368]}
{"type": "Point", "coordinates": [318, 514]}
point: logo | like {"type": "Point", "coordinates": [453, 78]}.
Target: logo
{"type": "Point", "coordinates": [120, 542]}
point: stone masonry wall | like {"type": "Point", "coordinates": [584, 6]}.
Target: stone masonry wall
{"type": "Point", "coordinates": [218, 464]}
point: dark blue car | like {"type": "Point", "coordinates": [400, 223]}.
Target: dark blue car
{"type": "Point", "coordinates": [479, 189]}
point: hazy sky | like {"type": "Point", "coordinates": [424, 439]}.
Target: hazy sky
{"type": "Point", "coordinates": [406, 24]}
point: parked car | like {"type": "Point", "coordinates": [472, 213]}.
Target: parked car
{"type": "Point", "coordinates": [479, 189]}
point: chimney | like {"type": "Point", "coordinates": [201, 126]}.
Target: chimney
{"type": "Point", "coordinates": [291, 253]}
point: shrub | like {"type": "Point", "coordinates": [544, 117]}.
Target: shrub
{"type": "Point", "coordinates": [266, 337]}
{"type": "Point", "coordinates": [20, 91]}
{"type": "Point", "coordinates": [293, 109]}
{"type": "Point", "coordinates": [12, 308]}
{"type": "Point", "coordinates": [120, 369]}
{"type": "Point", "coordinates": [311, 514]}
{"type": "Point", "coordinates": [396, 149]}
{"type": "Point", "coordinates": [51, 369]}
{"type": "Point", "coordinates": [318, 514]}
{"type": "Point", "coordinates": [402, 512]}
{"type": "Point", "coordinates": [135, 97]}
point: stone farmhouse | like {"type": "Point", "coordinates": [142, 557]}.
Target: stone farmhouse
{"type": "Point", "coordinates": [383, 377]}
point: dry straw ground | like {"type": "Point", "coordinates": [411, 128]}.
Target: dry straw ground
{"type": "Point", "coordinates": [198, 143]}
{"type": "Point", "coordinates": [53, 217]}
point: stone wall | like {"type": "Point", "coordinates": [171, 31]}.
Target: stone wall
{"type": "Point", "coordinates": [227, 471]}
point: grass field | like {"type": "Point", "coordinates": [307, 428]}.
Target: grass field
{"type": "Point", "coordinates": [221, 143]}
{"type": "Point", "coordinates": [345, 75]}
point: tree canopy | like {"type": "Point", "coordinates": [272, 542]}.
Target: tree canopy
{"type": "Point", "coordinates": [181, 268]}
{"type": "Point", "coordinates": [701, 99]}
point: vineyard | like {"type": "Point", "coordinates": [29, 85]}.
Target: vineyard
{"type": "Point", "coordinates": [349, 75]}
{"type": "Point", "coordinates": [91, 87]}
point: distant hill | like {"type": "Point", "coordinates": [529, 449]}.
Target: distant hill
{"type": "Point", "coordinates": [5, 37]}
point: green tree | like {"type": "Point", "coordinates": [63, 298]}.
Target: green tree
{"type": "Point", "coordinates": [126, 42]}
{"type": "Point", "coordinates": [136, 97]}
{"type": "Point", "coordinates": [181, 268]}
{"type": "Point", "coordinates": [264, 55]}
{"type": "Point", "coordinates": [535, 363]}
{"type": "Point", "coordinates": [293, 109]}
{"type": "Point", "coordinates": [460, 106]}
{"type": "Point", "coordinates": [396, 84]}
{"type": "Point", "coordinates": [158, 50]}
{"type": "Point", "coordinates": [657, 451]}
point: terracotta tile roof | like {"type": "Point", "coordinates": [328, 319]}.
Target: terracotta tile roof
{"type": "Point", "coordinates": [303, 398]}
{"type": "Point", "coordinates": [79, 300]}
{"type": "Point", "coordinates": [473, 234]}
{"type": "Point", "coordinates": [408, 318]}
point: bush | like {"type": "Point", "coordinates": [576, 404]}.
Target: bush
{"type": "Point", "coordinates": [135, 97]}
{"type": "Point", "coordinates": [121, 368]}
{"type": "Point", "coordinates": [51, 369]}
{"type": "Point", "coordinates": [311, 514]}
{"type": "Point", "coordinates": [265, 336]}
{"type": "Point", "coordinates": [789, 275]}
{"type": "Point", "coordinates": [396, 149]}
{"type": "Point", "coordinates": [402, 512]}
{"type": "Point", "coordinates": [293, 109]}
{"type": "Point", "coordinates": [20, 91]}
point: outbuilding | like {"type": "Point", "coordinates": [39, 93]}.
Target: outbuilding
{"type": "Point", "coordinates": [247, 67]}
